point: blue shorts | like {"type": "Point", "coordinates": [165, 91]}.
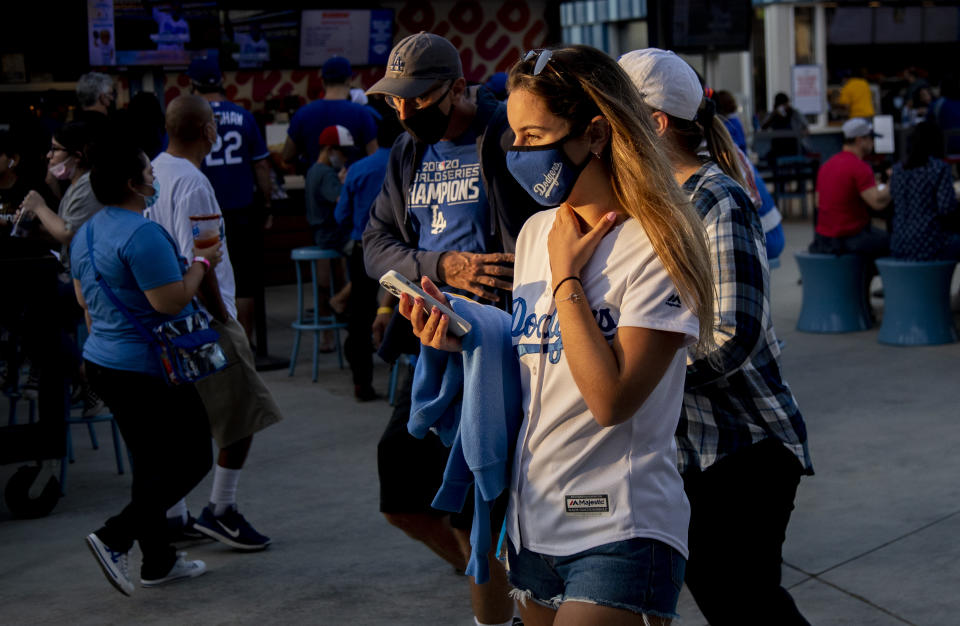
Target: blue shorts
{"type": "Point", "coordinates": [640, 575]}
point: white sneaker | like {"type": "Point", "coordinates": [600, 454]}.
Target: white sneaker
{"type": "Point", "coordinates": [181, 570]}
{"type": "Point", "coordinates": [114, 564]}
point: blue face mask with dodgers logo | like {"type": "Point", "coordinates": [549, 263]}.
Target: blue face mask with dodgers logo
{"type": "Point", "coordinates": [546, 172]}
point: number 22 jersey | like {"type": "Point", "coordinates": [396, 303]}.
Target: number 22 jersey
{"type": "Point", "coordinates": [229, 166]}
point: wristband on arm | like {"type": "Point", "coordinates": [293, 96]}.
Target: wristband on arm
{"type": "Point", "coordinates": [557, 288]}
{"type": "Point", "coordinates": [200, 259]}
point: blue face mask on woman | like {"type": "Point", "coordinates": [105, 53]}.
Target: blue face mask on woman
{"type": "Point", "coordinates": [546, 172]}
{"type": "Point", "coordinates": [152, 200]}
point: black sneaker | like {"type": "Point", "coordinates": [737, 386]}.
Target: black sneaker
{"type": "Point", "coordinates": [178, 532]}
{"type": "Point", "coordinates": [364, 393]}
{"type": "Point", "coordinates": [232, 529]}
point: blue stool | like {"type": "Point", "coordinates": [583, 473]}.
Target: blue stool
{"type": "Point", "coordinates": [834, 298]}
{"type": "Point", "coordinates": [315, 323]}
{"type": "Point", "coordinates": [916, 296]}
{"type": "Point", "coordinates": [89, 422]}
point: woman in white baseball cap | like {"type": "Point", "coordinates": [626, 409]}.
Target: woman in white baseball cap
{"type": "Point", "coordinates": [669, 85]}
{"type": "Point", "coordinates": [741, 438]}
{"type": "Point", "coordinates": [617, 262]}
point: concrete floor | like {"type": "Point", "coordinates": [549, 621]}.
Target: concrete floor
{"type": "Point", "coordinates": [872, 539]}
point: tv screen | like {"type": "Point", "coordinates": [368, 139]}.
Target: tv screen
{"type": "Point", "coordinates": [258, 39]}
{"type": "Point", "coordinates": [146, 32]}
{"type": "Point", "coordinates": [697, 26]}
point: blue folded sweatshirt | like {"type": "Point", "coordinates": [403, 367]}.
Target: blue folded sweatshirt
{"type": "Point", "coordinates": [472, 400]}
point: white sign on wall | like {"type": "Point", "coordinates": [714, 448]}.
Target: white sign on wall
{"type": "Point", "coordinates": [808, 89]}
{"type": "Point", "coordinates": [883, 126]}
{"type": "Point", "coordinates": [362, 37]}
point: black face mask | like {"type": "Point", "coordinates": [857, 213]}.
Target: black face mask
{"type": "Point", "coordinates": [429, 125]}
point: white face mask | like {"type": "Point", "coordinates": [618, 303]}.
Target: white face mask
{"type": "Point", "coordinates": [64, 169]}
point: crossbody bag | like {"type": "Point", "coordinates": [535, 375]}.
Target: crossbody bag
{"type": "Point", "coordinates": [186, 347]}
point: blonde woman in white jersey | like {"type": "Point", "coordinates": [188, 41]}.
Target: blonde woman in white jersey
{"type": "Point", "coordinates": [608, 290]}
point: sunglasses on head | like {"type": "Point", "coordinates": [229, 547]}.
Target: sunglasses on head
{"type": "Point", "coordinates": [542, 56]}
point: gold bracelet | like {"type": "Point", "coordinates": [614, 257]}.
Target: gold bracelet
{"type": "Point", "coordinates": [384, 310]}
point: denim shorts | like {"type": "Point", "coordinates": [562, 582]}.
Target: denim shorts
{"type": "Point", "coordinates": [640, 575]}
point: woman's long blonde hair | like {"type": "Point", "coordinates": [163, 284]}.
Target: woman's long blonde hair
{"type": "Point", "coordinates": [579, 83]}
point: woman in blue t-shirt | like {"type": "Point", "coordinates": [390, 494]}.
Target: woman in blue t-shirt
{"type": "Point", "coordinates": [165, 427]}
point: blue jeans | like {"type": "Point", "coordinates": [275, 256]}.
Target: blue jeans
{"type": "Point", "coordinates": [639, 575]}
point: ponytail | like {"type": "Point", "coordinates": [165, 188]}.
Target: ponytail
{"type": "Point", "coordinates": [722, 149]}
{"type": "Point", "coordinates": [689, 135]}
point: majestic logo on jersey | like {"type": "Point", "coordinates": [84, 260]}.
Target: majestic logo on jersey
{"type": "Point", "coordinates": [674, 301]}
{"type": "Point", "coordinates": [590, 505]}
{"type": "Point", "coordinates": [550, 180]}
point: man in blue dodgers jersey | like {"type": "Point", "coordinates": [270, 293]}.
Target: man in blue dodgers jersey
{"type": "Point", "coordinates": [238, 163]}
{"type": "Point", "coordinates": [335, 108]}
{"type": "Point", "coordinates": [449, 210]}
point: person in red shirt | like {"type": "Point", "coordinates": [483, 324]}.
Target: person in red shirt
{"type": "Point", "coordinates": [847, 196]}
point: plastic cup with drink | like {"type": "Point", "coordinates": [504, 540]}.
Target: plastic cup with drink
{"type": "Point", "coordinates": [207, 229]}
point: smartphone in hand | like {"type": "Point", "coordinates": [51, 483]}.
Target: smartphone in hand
{"type": "Point", "coordinates": [397, 284]}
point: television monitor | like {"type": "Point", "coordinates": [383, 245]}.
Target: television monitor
{"type": "Point", "coordinates": [147, 32]}
{"type": "Point", "coordinates": [698, 26]}
{"type": "Point", "coordinates": [260, 39]}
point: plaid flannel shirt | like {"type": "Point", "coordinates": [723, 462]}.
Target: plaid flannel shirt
{"type": "Point", "coordinates": [739, 398]}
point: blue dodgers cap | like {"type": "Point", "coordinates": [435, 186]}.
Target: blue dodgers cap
{"type": "Point", "coordinates": [336, 69]}
{"type": "Point", "coordinates": [205, 71]}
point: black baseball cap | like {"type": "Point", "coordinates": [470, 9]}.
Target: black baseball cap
{"type": "Point", "coordinates": [205, 71]}
{"type": "Point", "coordinates": [416, 64]}
{"type": "Point", "coordinates": [336, 69]}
